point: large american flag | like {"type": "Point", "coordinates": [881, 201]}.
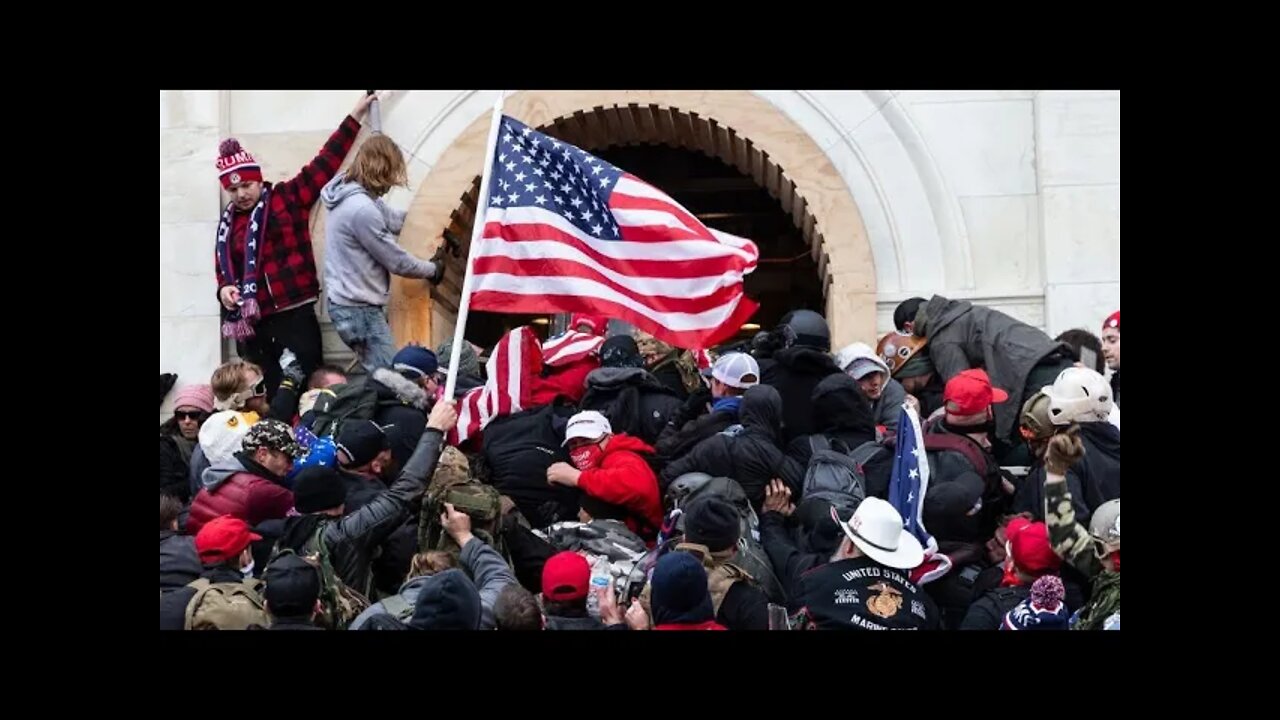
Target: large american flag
{"type": "Point", "coordinates": [570, 348]}
{"type": "Point", "coordinates": [907, 487]}
{"type": "Point", "coordinates": [568, 232]}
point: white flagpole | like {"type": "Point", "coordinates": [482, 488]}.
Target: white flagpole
{"type": "Point", "coordinates": [477, 229]}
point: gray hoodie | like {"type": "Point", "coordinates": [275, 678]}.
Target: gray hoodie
{"type": "Point", "coordinates": [360, 246]}
{"type": "Point", "coordinates": [888, 408]}
{"type": "Point", "coordinates": [220, 473]}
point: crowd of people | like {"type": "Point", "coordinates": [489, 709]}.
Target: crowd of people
{"type": "Point", "coordinates": [642, 486]}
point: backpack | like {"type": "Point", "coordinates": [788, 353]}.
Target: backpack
{"type": "Point", "coordinates": [751, 556]}
{"type": "Point", "coordinates": [340, 603]}
{"type": "Point", "coordinates": [356, 399]}
{"type": "Point", "coordinates": [835, 475]}
{"type": "Point", "coordinates": [226, 606]}
{"type": "Point", "coordinates": [453, 484]}
{"type": "Point", "coordinates": [611, 539]}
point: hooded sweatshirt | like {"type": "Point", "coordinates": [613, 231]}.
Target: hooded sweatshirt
{"type": "Point", "coordinates": [361, 250]}
{"type": "Point", "coordinates": [888, 407]}
{"type": "Point", "coordinates": [796, 371]}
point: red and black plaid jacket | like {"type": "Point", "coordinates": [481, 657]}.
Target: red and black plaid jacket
{"type": "Point", "coordinates": [287, 272]}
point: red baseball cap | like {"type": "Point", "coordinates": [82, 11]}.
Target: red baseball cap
{"type": "Point", "coordinates": [565, 576]}
{"type": "Point", "coordinates": [1112, 321]}
{"type": "Point", "coordinates": [1029, 543]}
{"type": "Point", "coordinates": [598, 323]}
{"type": "Point", "coordinates": [971, 393]}
{"type": "Point", "coordinates": [223, 538]}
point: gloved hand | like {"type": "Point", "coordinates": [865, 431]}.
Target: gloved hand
{"type": "Point", "coordinates": [291, 371]}
{"type": "Point", "coordinates": [167, 381]}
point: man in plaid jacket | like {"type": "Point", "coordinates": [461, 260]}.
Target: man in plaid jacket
{"type": "Point", "coordinates": [266, 269]}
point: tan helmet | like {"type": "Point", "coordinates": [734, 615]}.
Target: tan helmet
{"type": "Point", "coordinates": [896, 349]}
{"type": "Point", "coordinates": [1035, 422]}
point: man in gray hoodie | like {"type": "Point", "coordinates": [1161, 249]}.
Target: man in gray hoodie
{"type": "Point", "coordinates": [361, 250]}
{"type": "Point", "coordinates": [861, 363]}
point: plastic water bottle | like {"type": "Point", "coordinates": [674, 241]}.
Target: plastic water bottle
{"type": "Point", "coordinates": [601, 578]}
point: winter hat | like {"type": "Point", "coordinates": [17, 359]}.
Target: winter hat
{"type": "Point", "coordinates": [1112, 321]}
{"type": "Point", "coordinates": [236, 165]}
{"type": "Point", "coordinates": [414, 362]}
{"type": "Point", "coordinates": [1043, 610]}
{"type": "Point", "coordinates": [819, 530]}
{"type": "Point", "coordinates": [468, 363]}
{"type": "Point", "coordinates": [293, 586]}
{"type": "Point", "coordinates": [222, 433]}
{"type": "Point", "coordinates": [680, 592]}
{"type": "Point", "coordinates": [196, 396]}
{"type": "Point", "coordinates": [447, 601]}
{"type": "Point", "coordinates": [318, 488]}
{"type": "Point", "coordinates": [565, 577]}
{"type": "Point", "coordinates": [712, 521]}
{"type": "Point", "coordinates": [361, 441]}
{"type": "Point", "coordinates": [620, 351]}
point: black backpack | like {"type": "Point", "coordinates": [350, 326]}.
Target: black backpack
{"type": "Point", "coordinates": [837, 475]}
{"type": "Point", "coordinates": [353, 400]}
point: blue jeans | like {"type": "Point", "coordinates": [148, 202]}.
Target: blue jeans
{"type": "Point", "coordinates": [366, 332]}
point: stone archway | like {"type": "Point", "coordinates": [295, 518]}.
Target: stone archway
{"type": "Point", "coordinates": [738, 127]}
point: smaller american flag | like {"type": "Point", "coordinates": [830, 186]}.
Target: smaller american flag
{"type": "Point", "coordinates": [513, 368]}
{"type": "Point", "coordinates": [908, 485]}
{"type": "Point", "coordinates": [569, 348]}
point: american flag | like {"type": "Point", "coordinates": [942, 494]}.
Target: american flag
{"type": "Point", "coordinates": [569, 348]}
{"type": "Point", "coordinates": [513, 368]}
{"type": "Point", "coordinates": [907, 488]}
{"type": "Point", "coordinates": [568, 232]}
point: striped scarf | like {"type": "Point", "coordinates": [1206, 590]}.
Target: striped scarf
{"type": "Point", "coordinates": [238, 323]}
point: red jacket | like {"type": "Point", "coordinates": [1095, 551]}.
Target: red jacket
{"type": "Point", "coordinates": [625, 479]}
{"type": "Point", "coordinates": [569, 381]}
{"type": "Point", "coordinates": [243, 495]}
{"type": "Point", "coordinates": [287, 273]}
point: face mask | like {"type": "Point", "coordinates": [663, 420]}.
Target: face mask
{"type": "Point", "coordinates": [247, 570]}
{"type": "Point", "coordinates": [587, 456]}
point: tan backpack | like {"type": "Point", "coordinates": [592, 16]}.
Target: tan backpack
{"type": "Point", "coordinates": [226, 606]}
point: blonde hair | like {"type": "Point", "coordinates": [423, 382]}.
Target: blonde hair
{"type": "Point", "coordinates": [228, 379]}
{"type": "Point", "coordinates": [430, 563]}
{"type": "Point", "coordinates": [379, 166]}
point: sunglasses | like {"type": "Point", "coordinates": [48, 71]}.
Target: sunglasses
{"type": "Point", "coordinates": [193, 415]}
{"type": "Point", "coordinates": [259, 388]}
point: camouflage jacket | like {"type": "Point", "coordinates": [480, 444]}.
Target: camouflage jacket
{"type": "Point", "coordinates": [1070, 540]}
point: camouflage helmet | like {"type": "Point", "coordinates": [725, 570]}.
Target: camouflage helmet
{"type": "Point", "coordinates": [896, 349]}
{"type": "Point", "coordinates": [1104, 526]}
{"type": "Point", "coordinates": [1035, 423]}
{"type": "Point", "coordinates": [274, 435]}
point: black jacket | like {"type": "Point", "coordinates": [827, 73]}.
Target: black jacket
{"type": "Point", "coordinates": [789, 561]}
{"type": "Point", "coordinates": [752, 457]}
{"type": "Point", "coordinates": [1115, 387]}
{"type": "Point", "coordinates": [563, 622]}
{"type": "Point", "coordinates": [745, 607]}
{"type": "Point", "coordinates": [861, 594]}
{"type": "Point", "coordinates": [403, 405]}
{"type": "Point", "coordinates": [518, 449]}
{"type": "Point", "coordinates": [691, 426]}
{"type": "Point", "coordinates": [633, 400]}
{"type": "Point", "coordinates": [175, 463]}
{"type": "Point", "coordinates": [988, 611]}
{"type": "Point", "coordinates": [841, 412]}
{"type": "Point", "coordinates": [179, 563]}
{"type": "Point", "coordinates": [293, 624]}
{"type": "Point", "coordinates": [795, 372]}
{"type": "Point", "coordinates": [1092, 481]}
{"type": "Point", "coordinates": [353, 539]}
{"type": "Point", "coordinates": [668, 374]}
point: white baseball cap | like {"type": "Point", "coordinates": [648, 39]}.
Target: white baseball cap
{"type": "Point", "coordinates": [733, 369]}
{"type": "Point", "coordinates": [876, 528]}
{"type": "Point", "coordinates": [859, 360]}
{"type": "Point", "coordinates": [587, 424]}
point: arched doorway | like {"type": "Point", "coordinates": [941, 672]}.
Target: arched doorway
{"type": "Point", "coordinates": [739, 129]}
